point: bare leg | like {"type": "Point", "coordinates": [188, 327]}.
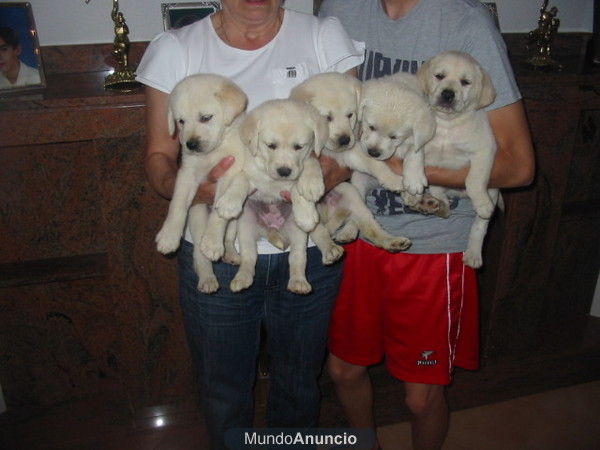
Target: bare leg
{"type": "Point", "coordinates": [354, 390]}
{"type": "Point", "coordinates": [429, 424]}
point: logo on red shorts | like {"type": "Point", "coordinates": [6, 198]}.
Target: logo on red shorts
{"type": "Point", "coordinates": [425, 360]}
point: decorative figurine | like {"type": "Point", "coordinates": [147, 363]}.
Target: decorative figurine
{"type": "Point", "coordinates": [540, 39]}
{"type": "Point", "coordinates": [124, 77]}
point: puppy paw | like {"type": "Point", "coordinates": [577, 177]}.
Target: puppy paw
{"type": "Point", "coordinates": [307, 221]}
{"type": "Point", "coordinates": [167, 240]}
{"type": "Point", "coordinates": [395, 184]}
{"type": "Point", "coordinates": [396, 244]}
{"type": "Point", "coordinates": [241, 281]}
{"type": "Point", "coordinates": [411, 200]}
{"type": "Point", "coordinates": [333, 253]}
{"type": "Point", "coordinates": [414, 184]}
{"type": "Point", "coordinates": [277, 239]}
{"type": "Point", "coordinates": [311, 189]}
{"type": "Point", "coordinates": [443, 211]}
{"type": "Point", "coordinates": [228, 209]}
{"type": "Point", "coordinates": [211, 248]}
{"type": "Point", "coordinates": [299, 285]}
{"type": "Point", "coordinates": [472, 258]}
{"type": "Point", "coordinates": [484, 209]}
{"type": "Point", "coordinates": [348, 233]}
{"type": "Point", "coordinates": [231, 256]}
{"type": "Point", "coordinates": [208, 285]}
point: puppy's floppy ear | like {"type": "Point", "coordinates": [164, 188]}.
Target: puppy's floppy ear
{"type": "Point", "coordinates": [423, 128]}
{"type": "Point", "coordinates": [423, 76]}
{"type": "Point", "coordinates": [302, 93]}
{"type": "Point", "coordinates": [487, 95]}
{"type": "Point", "coordinates": [357, 86]}
{"type": "Point", "coordinates": [233, 100]}
{"type": "Point", "coordinates": [321, 129]}
{"type": "Point", "coordinates": [249, 132]}
{"type": "Point", "coordinates": [171, 121]}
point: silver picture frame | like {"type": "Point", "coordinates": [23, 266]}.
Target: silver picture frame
{"type": "Point", "coordinates": [177, 15]}
{"type": "Point", "coordinates": [23, 71]}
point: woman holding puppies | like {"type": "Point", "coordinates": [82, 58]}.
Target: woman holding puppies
{"type": "Point", "coordinates": [265, 50]}
{"type": "Point", "coordinates": [423, 320]}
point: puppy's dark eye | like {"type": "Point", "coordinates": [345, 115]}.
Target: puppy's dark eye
{"type": "Point", "coordinates": [272, 146]}
{"type": "Point", "coordinates": [440, 76]}
{"type": "Point", "coordinates": [349, 116]}
{"type": "Point", "coordinates": [372, 128]}
{"type": "Point", "coordinates": [465, 82]}
{"type": "Point", "coordinates": [181, 122]}
{"type": "Point", "coordinates": [393, 136]}
{"type": "Point", "coordinates": [205, 118]}
{"type": "Point", "coordinates": [298, 147]}
{"type": "Point", "coordinates": [329, 118]}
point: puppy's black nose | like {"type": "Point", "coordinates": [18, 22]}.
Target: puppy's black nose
{"type": "Point", "coordinates": [374, 152]}
{"type": "Point", "coordinates": [344, 139]}
{"type": "Point", "coordinates": [193, 145]}
{"type": "Point", "coordinates": [447, 95]}
{"type": "Point", "coordinates": [284, 171]}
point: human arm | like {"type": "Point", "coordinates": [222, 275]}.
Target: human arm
{"type": "Point", "coordinates": [161, 151]}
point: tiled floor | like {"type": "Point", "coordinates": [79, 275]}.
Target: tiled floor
{"type": "Point", "coordinates": [562, 419]}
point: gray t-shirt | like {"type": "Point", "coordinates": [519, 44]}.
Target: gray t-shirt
{"type": "Point", "coordinates": [430, 27]}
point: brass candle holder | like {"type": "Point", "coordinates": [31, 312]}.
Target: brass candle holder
{"type": "Point", "coordinates": [540, 39]}
{"type": "Point", "coordinates": [123, 78]}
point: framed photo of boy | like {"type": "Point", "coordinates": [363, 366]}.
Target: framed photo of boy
{"type": "Point", "coordinates": [20, 61]}
{"type": "Point", "coordinates": [177, 15]}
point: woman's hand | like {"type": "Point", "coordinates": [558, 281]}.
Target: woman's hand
{"type": "Point", "coordinates": [206, 190]}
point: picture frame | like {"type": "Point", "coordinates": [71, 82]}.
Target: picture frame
{"type": "Point", "coordinates": [21, 68]}
{"type": "Point", "coordinates": [177, 15]}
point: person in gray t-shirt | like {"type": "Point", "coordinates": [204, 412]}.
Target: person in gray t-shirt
{"type": "Point", "coordinates": [400, 35]}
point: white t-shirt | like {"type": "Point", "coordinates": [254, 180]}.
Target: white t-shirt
{"type": "Point", "coordinates": [27, 76]}
{"type": "Point", "coordinates": [304, 46]}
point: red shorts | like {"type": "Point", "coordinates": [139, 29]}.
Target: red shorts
{"type": "Point", "coordinates": [424, 324]}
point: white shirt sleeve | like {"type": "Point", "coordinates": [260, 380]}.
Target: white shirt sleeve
{"type": "Point", "coordinates": [337, 51]}
{"type": "Point", "coordinates": [163, 63]}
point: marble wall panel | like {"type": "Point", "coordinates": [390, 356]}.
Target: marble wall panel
{"type": "Point", "coordinates": [50, 206]}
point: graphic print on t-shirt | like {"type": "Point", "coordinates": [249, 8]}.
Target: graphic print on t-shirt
{"type": "Point", "coordinates": [377, 65]}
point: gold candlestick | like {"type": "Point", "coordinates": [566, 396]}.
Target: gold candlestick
{"type": "Point", "coordinates": [123, 78]}
{"type": "Point", "coordinates": [540, 39]}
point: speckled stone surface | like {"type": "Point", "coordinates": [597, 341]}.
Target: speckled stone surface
{"type": "Point", "coordinates": [88, 304]}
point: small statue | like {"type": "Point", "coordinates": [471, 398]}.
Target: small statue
{"type": "Point", "coordinates": [541, 38]}
{"type": "Point", "coordinates": [124, 77]}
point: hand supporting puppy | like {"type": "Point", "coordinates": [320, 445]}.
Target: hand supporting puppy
{"type": "Point", "coordinates": [206, 191]}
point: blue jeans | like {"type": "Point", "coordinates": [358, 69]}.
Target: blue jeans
{"type": "Point", "coordinates": [223, 331]}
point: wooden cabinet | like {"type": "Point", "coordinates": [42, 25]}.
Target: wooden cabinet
{"type": "Point", "coordinates": [543, 254]}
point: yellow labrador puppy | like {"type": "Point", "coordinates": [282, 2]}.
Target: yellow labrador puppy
{"type": "Point", "coordinates": [205, 110]}
{"type": "Point", "coordinates": [458, 89]}
{"type": "Point", "coordinates": [280, 136]}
